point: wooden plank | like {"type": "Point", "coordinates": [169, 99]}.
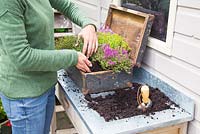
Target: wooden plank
{"type": "Point", "coordinates": [183, 129]}
{"type": "Point", "coordinates": [67, 131]}
{"type": "Point", "coordinates": [106, 4]}
{"type": "Point", "coordinates": [88, 10]}
{"type": "Point", "coordinates": [91, 2]}
{"type": "Point", "coordinates": [104, 13]}
{"type": "Point", "coordinates": [59, 108]}
{"type": "Point", "coordinates": [60, 21]}
{"type": "Point", "coordinates": [61, 97]}
{"type": "Point", "coordinates": [99, 14]}
{"type": "Point", "coordinates": [53, 124]}
{"type": "Point", "coordinates": [194, 127]}
{"type": "Point", "coordinates": [186, 49]}
{"type": "Point", "coordinates": [176, 129]}
{"type": "Point", "coordinates": [173, 131]}
{"type": "Point", "coordinates": [100, 81]}
{"type": "Point", "coordinates": [72, 114]}
{"type": "Point", "coordinates": [57, 35]}
{"type": "Point", "coordinates": [197, 108]}
{"type": "Point", "coordinates": [176, 70]}
{"type": "Point", "coordinates": [179, 87]}
{"type": "Point", "coordinates": [187, 22]}
{"type": "Point", "coordinates": [189, 3]}
{"type": "Point", "coordinates": [137, 26]}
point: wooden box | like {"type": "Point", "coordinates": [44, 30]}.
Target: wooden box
{"type": "Point", "coordinates": [135, 27]}
{"type": "Point", "coordinates": [159, 26]}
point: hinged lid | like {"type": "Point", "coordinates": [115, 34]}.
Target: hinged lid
{"type": "Point", "coordinates": [134, 26]}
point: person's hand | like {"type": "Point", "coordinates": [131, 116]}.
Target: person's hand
{"type": "Point", "coordinates": [83, 63]}
{"type": "Point", "coordinates": [89, 36]}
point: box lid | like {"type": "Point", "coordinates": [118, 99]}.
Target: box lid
{"type": "Point", "coordinates": [134, 26]}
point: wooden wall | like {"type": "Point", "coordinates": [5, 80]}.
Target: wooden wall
{"type": "Point", "coordinates": [182, 68]}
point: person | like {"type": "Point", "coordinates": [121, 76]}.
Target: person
{"type": "Point", "coordinates": [29, 63]}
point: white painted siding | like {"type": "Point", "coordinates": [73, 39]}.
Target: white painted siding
{"type": "Point", "coordinates": [189, 3]}
{"type": "Point", "coordinates": [187, 22]}
{"type": "Point", "coordinates": [187, 49]}
{"type": "Point", "coordinates": [96, 10]}
{"type": "Point", "coordinates": [89, 8]}
{"type": "Point", "coordinates": [182, 68]}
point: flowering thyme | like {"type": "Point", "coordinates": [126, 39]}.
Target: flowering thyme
{"type": "Point", "coordinates": [113, 53]}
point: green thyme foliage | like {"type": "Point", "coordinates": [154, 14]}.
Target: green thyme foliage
{"type": "Point", "coordinates": [2, 112]}
{"type": "Point", "coordinates": [114, 40]}
{"type": "Point", "coordinates": [113, 59]}
{"type": "Point", "coordinates": [69, 42]}
{"type": "Point", "coordinates": [112, 54]}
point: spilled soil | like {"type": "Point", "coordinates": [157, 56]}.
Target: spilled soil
{"type": "Point", "coordinates": [123, 103]}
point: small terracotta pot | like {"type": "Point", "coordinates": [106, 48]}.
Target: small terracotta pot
{"type": "Point", "coordinates": [5, 127]}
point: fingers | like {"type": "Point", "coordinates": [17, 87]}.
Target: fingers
{"type": "Point", "coordinates": [90, 49]}
{"type": "Point", "coordinates": [88, 63]}
{"type": "Point", "coordinates": [90, 40]}
{"type": "Point", "coordinates": [77, 41]}
{"type": "Point", "coordinates": [85, 69]}
{"type": "Point", "coordinates": [83, 63]}
{"type": "Point", "coordinates": [85, 46]}
{"type": "Point", "coordinates": [96, 45]}
{"type": "Point", "coordinates": [85, 43]}
{"type": "Point", "coordinates": [90, 46]}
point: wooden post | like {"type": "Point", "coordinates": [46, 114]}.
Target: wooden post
{"type": "Point", "coordinates": [183, 129]}
{"type": "Point", "coordinates": [73, 116]}
{"type": "Point", "coordinates": [53, 123]}
{"type": "Point", "coordinates": [175, 129]}
{"type": "Point", "coordinates": [53, 126]}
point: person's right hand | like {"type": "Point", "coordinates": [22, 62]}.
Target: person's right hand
{"type": "Point", "coordinates": [83, 63]}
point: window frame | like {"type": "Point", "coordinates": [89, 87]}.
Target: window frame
{"type": "Point", "coordinates": [161, 46]}
{"type": "Point", "coordinates": [165, 46]}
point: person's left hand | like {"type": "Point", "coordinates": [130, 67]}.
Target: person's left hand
{"type": "Point", "coordinates": [89, 36]}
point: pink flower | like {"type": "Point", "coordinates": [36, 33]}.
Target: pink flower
{"type": "Point", "coordinates": [111, 63]}
{"type": "Point", "coordinates": [109, 52]}
{"type": "Point", "coordinates": [125, 52]}
{"type": "Point", "coordinates": [106, 29]}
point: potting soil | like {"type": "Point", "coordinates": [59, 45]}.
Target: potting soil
{"type": "Point", "coordinates": [122, 103]}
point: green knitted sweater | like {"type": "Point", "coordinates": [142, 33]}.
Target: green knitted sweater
{"type": "Point", "coordinates": [28, 61]}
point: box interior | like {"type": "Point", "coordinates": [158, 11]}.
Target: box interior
{"type": "Point", "coordinates": [129, 24]}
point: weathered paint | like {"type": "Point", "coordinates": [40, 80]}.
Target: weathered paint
{"type": "Point", "coordinates": [100, 81]}
{"type": "Point", "coordinates": [134, 26]}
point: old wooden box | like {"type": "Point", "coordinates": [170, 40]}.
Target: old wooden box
{"type": "Point", "coordinates": [160, 23]}
{"type": "Point", "coordinates": [135, 27]}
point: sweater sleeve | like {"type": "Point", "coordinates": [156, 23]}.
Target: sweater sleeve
{"type": "Point", "coordinates": [70, 10]}
{"type": "Point", "coordinates": [14, 41]}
